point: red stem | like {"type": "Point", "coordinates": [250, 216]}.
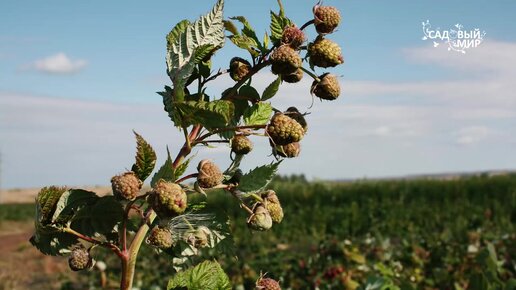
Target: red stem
{"type": "Point", "coordinates": [193, 175]}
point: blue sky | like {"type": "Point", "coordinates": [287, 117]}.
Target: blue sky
{"type": "Point", "coordinates": [77, 77]}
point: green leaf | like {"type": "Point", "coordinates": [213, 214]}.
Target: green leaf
{"type": "Point", "coordinates": [249, 31]}
{"type": "Point", "coordinates": [181, 169]}
{"type": "Point", "coordinates": [166, 171]}
{"type": "Point", "coordinates": [70, 202]}
{"type": "Point", "coordinates": [278, 24]}
{"type": "Point", "coordinates": [205, 276]}
{"type": "Point", "coordinates": [145, 158]}
{"type": "Point", "coordinates": [258, 114]}
{"type": "Point", "coordinates": [168, 102]}
{"type": "Point", "coordinates": [248, 92]}
{"type": "Point", "coordinates": [189, 43]}
{"type": "Point", "coordinates": [98, 218]}
{"type": "Point", "coordinates": [46, 202]}
{"type": "Point", "coordinates": [209, 114]}
{"type": "Point", "coordinates": [231, 27]}
{"type": "Point", "coordinates": [53, 244]}
{"type": "Point", "coordinates": [258, 178]}
{"type": "Point", "coordinates": [271, 90]}
{"type": "Point", "coordinates": [247, 43]}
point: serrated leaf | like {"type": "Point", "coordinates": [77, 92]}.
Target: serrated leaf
{"type": "Point", "coordinates": [53, 244]}
{"type": "Point", "coordinates": [70, 202]}
{"type": "Point", "coordinates": [205, 276]}
{"type": "Point", "coordinates": [165, 172]}
{"type": "Point", "coordinates": [271, 90]}
{"type": "Point", "coordinates": [247, 43]}
{"type": "Point", "coordinates": [181, 169]}
{"type": "Point", "coordinates": [145, 158]}
{"type": "Point", "coordinates": [249, 93]}
{"type": "Point", "coordinates": [189, 43]}
{"type": "Point", "coordinates": [168, 102]}
{"type": "Point", "coordinates": [248, 31]}
{"type": "Point", "coordinates": [278, 24]}
{"type": "Point", "coordinates": [98, 218]}
{"type": "Point", "coordinates": [258, 114]}
{"type": "Point", "coordinates": [231, 27]}
{"type": "Point", "coordinates": [213, 114]}
{"type": "Point", "coordinates": [258, 178]}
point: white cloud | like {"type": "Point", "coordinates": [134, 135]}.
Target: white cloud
{"type": "Point", "coordinates": [472, 135]}
{"type": "Point", "coordinates": [59, 63]}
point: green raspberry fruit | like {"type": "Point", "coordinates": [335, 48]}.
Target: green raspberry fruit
{"type": "Point", "coordinates": [294, 113]}
{"type": "Point", "coordinates": [238, 68]}
{"type": "Point", "coordinates": [160, 237]}
{"type": "Point", "coordinates": [167, 199]}
{"type": "Point", "coordinates": [126, 186]}
{"type": "Point", "coordinates": [240, 144]}
{"type": "Point", "coordinates": [293, 77]}
{"type": "Point", "coordinates": [326, 19]}
{"type": "Point", "coordinates": [267, 284]}
{"type": "Point", "coordinates": [324, 53]}
{"type": "Point", "coordinates": [261, 219]}
{"type": "Point", "coordinates": [283, 130]}
{"type": "Point", "coordinates": [273, 205]}
{"type": "Point", "coordinates": [80, 259]}
{"type": "Point", "coordinates": [293, 36]}
{"type": "Point", "coordinates": [209, 174]}
{"type": "Point", "coordinates": [290, 150]}
{"type": "Point", "coordinates": [328, 88]}
{"type": "Point", "coordinates": [285, 60]}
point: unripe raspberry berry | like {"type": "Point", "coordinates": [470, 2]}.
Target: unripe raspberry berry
{"type": "Point", "coordinates": [261, 219]}
{"type": "Point", "coordinates": [80, 259]}
{"type": "Point", "coordinates": [285, 60]}
{"type": "Point", "coordinates": [294, 113]}
{"type": "Point", "coordinates": [167, 199]}
{"type": "Point", "coordinates": [324, 53]}
{"type": "Point", "coordinates": [126, 186]}
{"type": "Point", "coordinates": [238, 68]}
{"type": "Point", "coordinates": [273, 205]}
{"type": "Point", "coordinates": [328, 88]}
{"type": "Point", "coordinates": [293, 36]}
{"type": "Point", "coordinates": [160, 237]}
{"type": "Point", "coordinates": [293, 77]}
{"type": "Point", "coordinates": [209, 174]}
{"type": "Point", "coordinates": [290, 150]}
{"type": "Point", "coordinates": [326, 18]}
{"type": "Point", "coordinates": [240, 144]}
{"type": "Point", "coordinates": [283, 130]}
{"type": "Point", "coordinates": [267, 284]}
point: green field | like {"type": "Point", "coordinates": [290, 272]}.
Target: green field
{"type": "Point", "coordinates": [417, 234]}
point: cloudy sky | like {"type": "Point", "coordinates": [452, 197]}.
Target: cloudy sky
{"type": "Point", "coordinates": [77, 77]}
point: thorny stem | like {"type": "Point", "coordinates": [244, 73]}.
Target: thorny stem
{"type": "Point", "coordinates": [308, 23]}
{"type": "Point", "coordinates": [220, 130]}
{"type": "Point", "coordinates": [316, 78]}
{"type": "Point", "coordinates": [253, 71]}
{"type": "Point", "coordinates": [108, 245]}
{"type": "Point", "coordinates": [193, 175]}
{"type": "Point", "coordinates": [218, 74]}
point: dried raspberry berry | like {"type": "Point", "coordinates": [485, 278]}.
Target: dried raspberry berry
{"type": "Point", "coordinates": [328, 88]}
{"type": "Point", "coordinates": [209, 174]}
{"type": "Point", "coordinates": [167, 199]}
{"type": "Point", "coordinates": [261, 219]}
{"type": "Point", "coordinates": [324, 53]}
{"type": "Point", "coordinates": [80, 259]}
{"type": "Point", "coordinates": [238, 68]}
{"type": "Point", "coordinates": [290, 150]}
{"type": "Point", "coordinates": [199, 237]}
{"type": "Point", "coordinates": [326, 18]}
{"type": "Point", "coordinates": [240, 144]}
{"type": "Point", "coordinates": [283, 130]}
{"type": "Point", "coordinates": [273, 205]}
{"type": "Point", "coordinates": [285, 60]}
{"type": "Point", "coordinates": [126, 186]}
{"type": "Point", "coordinates": [293, 36]}
{"type": "Point", "coordinates": [160, 237]}
{"type": "Point", "coordinates": [267, 284]}
{"type": "Point", "coordinates": [293, 77]}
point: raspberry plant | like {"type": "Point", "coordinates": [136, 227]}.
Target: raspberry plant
{"type": "Point", "coordinates": [73, 222]}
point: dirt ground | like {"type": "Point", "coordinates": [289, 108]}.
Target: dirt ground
{"type": "Point", "coordinates": [27, 195]}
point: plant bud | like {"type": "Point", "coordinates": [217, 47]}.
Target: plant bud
{"type": "Point", "coordinates": [328, 88]}
{"type": "Point", "coordinates": [160, 237]}
{"type": "Point", "coordinates": [261, 219]}
{"type": "Point", "coordinates": [267, 284]}
{"type": "Point", "coordinates": [283, 130]}
{"type": "Point", "coordinates": [198, 238]}
{"type": "Point", "coordinates": [325, 53]}
{"type": "Point", "coordinates": [326, 18]}
{"type": "Point", "coordinates": [293, 77]}
{"type": "Point", "coordinates": [285, 60]}
{"type": "Point", "coordinates": [273, 205]}
{"type": "Point", "coordinates": [240, 144]}
{"type": "Point", "coordinates": [238, 68]}
{"type": "Point", "coordinates": [293, 36]}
